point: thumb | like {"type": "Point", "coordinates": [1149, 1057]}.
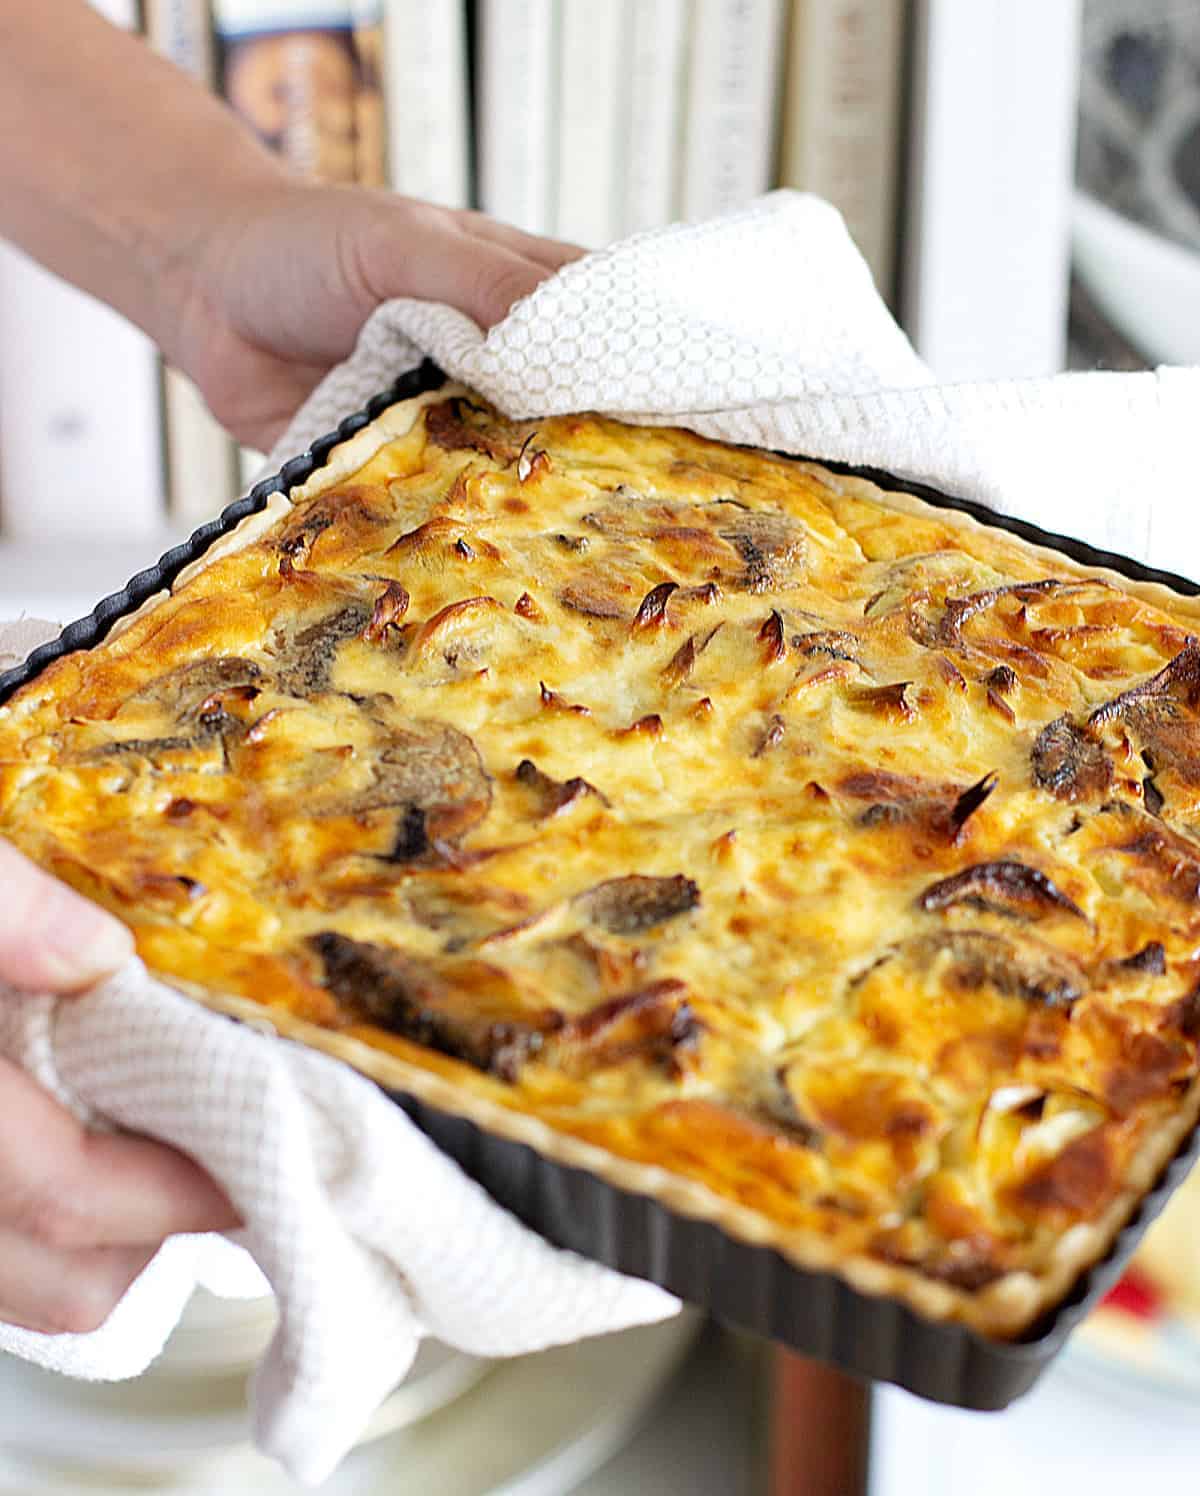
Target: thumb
{"type": "Point", "coordinates": [51, 939]}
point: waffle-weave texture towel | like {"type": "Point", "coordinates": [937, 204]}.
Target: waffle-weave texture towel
{"type": "Point", "coordinates": [762, 327]}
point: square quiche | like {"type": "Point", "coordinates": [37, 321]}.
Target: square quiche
{"type": "Point", "coordinates": [822, 862]}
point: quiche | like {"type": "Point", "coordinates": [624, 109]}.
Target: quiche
{"type": "Point", "coordinates": [818, 861]}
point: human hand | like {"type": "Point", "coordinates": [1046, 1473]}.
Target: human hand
{"type": "Point", "coordinates": [281, 284]}
{"type": "Point", "coordinates": [81, 1212]}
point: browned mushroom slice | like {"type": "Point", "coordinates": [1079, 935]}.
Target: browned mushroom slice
{"type": "Point", "coordinates": [836, 643]}
{"type": "Point", "coordinates": [183, 690]}
{"type": "Point", "coordinates": [938, 808]}
{"type": "Point", "coordinates": [433, 775]}
{"type": "Point", "coordinates": [554, 795]}
{"type": "Point", "coordinates": [458, 1012]}
{"type": "Point", "coordinates": [971, 959]}
{"type": "Point", "coordinates": [654, 1024]}
{"type": "Point", "coordinates": [627, 906]}
{"type": "Point", "coordinates": [773, 547]}
{"type": "Point", "coordinates": [304, 659]}
{"type": "Point", "coordinates": [1001, 887]}
{"type": "Point", "coordinates": [1069, 763]}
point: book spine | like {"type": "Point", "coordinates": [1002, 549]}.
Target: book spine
{"type": "Point", "coordinates": [425, 86]}
{"type": "Point", "coordinates": [841, 117]}
{"type": "Point", "coordinates": [733, 84]}
{"type": "Point", "coordinates": [201, 469]}
{"type": "Point", "coordinates": [517, 103]}
{"type": "Point", "coordinates": [80, 422]}
{"type": "Point", "coordinates": [654, 114]}
{"type": "Point", "coordinates": [593, 81]}
{"type": "Point", "coordinates": [990, 178]}
{"type": "Point", "coordinates": [370, 123]}
{"type": "Point", "coordinates": [290, 69]}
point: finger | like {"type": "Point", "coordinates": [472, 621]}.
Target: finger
{"type": "Point", "coordinates": [63, 1292]}
{"type": "Point", "coordinates": [72, 1189]}
{"type": "Point", "coordinates": [553, 254]}
{"type": "Point", "coordinates": [51, 939]}
{"type": "Point", "coordinates": [425, 252]}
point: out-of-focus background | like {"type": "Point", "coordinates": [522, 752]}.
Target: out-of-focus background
{"type": "Point", "coordinates": [1023, 178]}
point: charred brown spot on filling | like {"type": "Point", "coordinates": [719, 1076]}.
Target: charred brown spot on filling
{"type": "Point", "coordinates": [1076, 1182]}
{"type": "Point", "coordinates": [455, 425]}
{"type": "Point", "coordinates": [1069, 763]}
{"type": "Point", "coordinates": [891, 700]}
{"type": "Point", "coordinates": [1169, 861]}
{"type": "Point", "coordinates": [630, 905]}
{"type": "Point", "coordinates": [1002, 680]}
{"type": "Point", "coordinates": [1001, 887]}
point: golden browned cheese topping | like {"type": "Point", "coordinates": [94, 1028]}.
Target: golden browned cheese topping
{"type": "Point", "coordinates": [824, 849]}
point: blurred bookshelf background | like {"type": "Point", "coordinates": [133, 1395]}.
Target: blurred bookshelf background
{"type": "Point", "coordinates": [943, 131]}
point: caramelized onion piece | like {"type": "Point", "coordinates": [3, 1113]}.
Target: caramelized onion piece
{"type": "Point", "coordinates": [390, 607]}
{"type": "Point", "coordinates": [1152, 959]}
{"type": "Point", "coordinates": [682, 662]}
{"type": "Point", "coordinates": [970, 800]}
{"type": "Point", "coordinates": [629, 905]}
{"type": "Point", "coordinates": [972, 959]}
{"type": "Point", "coordinates": [653, 609]}
{"type": "Point", "coordinates": [1003, 887]}
{"type": "Point", "coordinates": [1181, 672]}
{"type": "Point", "coordinates": [654, 1024]}
{"type": "Point", "coordinates": [555, 795]}
{"type": "Point", "coordinates": [771, 635]}
{"type": "Point", "coordinates": [960, 609]}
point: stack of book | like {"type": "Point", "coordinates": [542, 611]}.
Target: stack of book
{"type": "Point", "coordinates": [588, 120]}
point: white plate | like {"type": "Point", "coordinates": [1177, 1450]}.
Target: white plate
{"type": "Point", "coordinates": [535, 1426]}
{"type": "Point", "coordinates": [161, 1422]}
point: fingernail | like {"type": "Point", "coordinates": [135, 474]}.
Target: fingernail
{"type": "Point", "coordinates": [83, 942]}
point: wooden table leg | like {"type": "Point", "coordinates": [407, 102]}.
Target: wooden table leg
{"type": "Point", "coordinates": [819, 1427]}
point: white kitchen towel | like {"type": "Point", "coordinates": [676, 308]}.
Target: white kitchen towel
{"type": "Point", "coordinates": [762, 327]}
